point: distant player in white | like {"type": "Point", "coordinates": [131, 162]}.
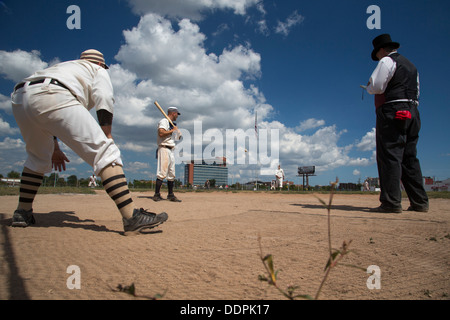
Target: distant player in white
{"type": "Point", "coordinates": [54, 104]}
{"type": "Point", "coordinates": [279, 175]}
{"type": "Point", "coordinates": [166, 158]}
{"type": "Point", "coordinates": [92, 181]}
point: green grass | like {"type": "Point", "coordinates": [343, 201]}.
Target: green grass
{"type": "Point", "coordinates": [439, 195]}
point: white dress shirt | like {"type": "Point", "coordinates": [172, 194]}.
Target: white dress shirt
{"type": "Point", "coordinates": [381, 76]}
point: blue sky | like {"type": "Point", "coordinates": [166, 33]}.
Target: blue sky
{"type": "Point", "coordinates": [298, 63]}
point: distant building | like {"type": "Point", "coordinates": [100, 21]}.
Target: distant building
{"type": "Point", "coordinates": [373, 182]}
{"type": "Point", "coordinates": [11, 182]}
{"type": "Point", "coordinates": [431, 185]}
{"type": "Point", "coordinates": [196, 174]}
{"type": "Point", "coordinates": [348, 186]}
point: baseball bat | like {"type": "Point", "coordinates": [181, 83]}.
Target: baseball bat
{"type": "Point", "coordinates": [166, 116]}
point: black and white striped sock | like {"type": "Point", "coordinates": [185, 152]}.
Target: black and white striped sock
{"type": "Point", "coordinates": [30, 182]}
{"type": "Point", "coordinates": [116, 186]}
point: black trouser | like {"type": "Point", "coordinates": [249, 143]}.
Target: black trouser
{"type": "Point", "coordinates": [397, 156]}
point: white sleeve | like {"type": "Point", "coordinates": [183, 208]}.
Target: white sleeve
{"type": "Point", "coordinates": [102, 92]}
{"type": "Point", "coordinates": [381, 76]}
{"type": "Point", "coordinates": [164, 124]}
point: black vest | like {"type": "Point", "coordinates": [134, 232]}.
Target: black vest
{"type": "Point", "coordinates": [404, 84]}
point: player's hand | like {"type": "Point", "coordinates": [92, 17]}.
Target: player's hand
{"type": "Point", "coordinates": [59, 160]}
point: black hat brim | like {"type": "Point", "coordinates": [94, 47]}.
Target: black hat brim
{"type": "Point", "coordinates": [394, 45]}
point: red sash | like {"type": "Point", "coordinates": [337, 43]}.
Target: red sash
{"type": "Point", "coordinates": [379, 100]}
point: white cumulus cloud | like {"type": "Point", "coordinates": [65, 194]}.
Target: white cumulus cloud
{"type": "Point", "coordinates": [368, 142]}
{"type": "Point", "coordinates": [192, 9]}
{"type": "Point", "coordinates": [285, 27]}
{"type": "Point", "coordinates": [19, 64]}
{"type": "Point", "coordinates": [310, 124]}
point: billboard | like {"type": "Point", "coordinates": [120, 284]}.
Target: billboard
{"type": "Point", "coordinates": [306, 170]}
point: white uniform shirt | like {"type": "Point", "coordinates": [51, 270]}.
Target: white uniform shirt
{"type": "Point", "coordinates": [88, 82]}
{"type": "Point", "coordinates": [279, 174]}
{"type": "Point", "coordinates": [167, 140]}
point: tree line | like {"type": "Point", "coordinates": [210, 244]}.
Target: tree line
{"type": "Point", "coordinates": [55, 180]}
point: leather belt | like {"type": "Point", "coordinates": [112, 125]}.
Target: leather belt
{"type": "Point", "coordinates": [167, 147]}
{"type": "Point", "coordinates": [53, 81]}
{"type": "Point", "coordinates": [414, 102]}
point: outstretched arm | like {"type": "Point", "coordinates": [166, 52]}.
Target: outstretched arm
{"type": "Point", "coordinates": [59, 159]}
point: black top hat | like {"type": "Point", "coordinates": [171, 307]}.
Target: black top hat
{"type": "Point", "coordinates": [382, 41]}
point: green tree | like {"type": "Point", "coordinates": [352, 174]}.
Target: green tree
{"type": "Point", "coordinates": [72, 181]}
{"type": "Point", "coordinates": [52, 179]}
{"type": "Point", "coordinates": [13, 175]}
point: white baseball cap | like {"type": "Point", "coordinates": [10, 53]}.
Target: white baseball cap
{"type": "Point", "coordinates": [173, 109]}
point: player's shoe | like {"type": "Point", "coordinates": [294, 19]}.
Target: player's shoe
{"type": "Point", "coordinates": [157, 197]}
{"type": "Point", "coordinates": [142, 220]}
{"type": "Point", "coordinates": [23, 218]}
{"type": "Point", "coordinates": [418, 209]}
{"type": "Point", "coordinates": [171, 197]}
{"type": "Point", "coordinates": [383, 209]}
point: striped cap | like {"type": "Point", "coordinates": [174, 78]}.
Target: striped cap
{"type": "Point", "coordinates": [94, 56]}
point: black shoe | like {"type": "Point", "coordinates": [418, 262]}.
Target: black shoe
{"type": "Point", "coordinates": [171, 197]}
{"type": "Point", "coordinates": [418, 209]}
{"type": "Point", "coordinates": [141, 220]}
{"type": "Point", "coordinates": [23, 218]}
{"type": "Point", "coordinates": [157, 197]}
{"type": "Point", "coordinates": [383, 209]}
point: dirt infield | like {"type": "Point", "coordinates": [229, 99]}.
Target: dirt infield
{"type": "Point", "coordinates": [208, 249]}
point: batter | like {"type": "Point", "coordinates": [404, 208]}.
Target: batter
{"type": "Point", "coordinates": [166, 159]}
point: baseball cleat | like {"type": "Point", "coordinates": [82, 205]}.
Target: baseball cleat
{"type": "Point", "coordinates": [157, 197]}
{"type": "Point", "coordinates": [142, 220]}
{"type": "Point", "coordinates": [173, 198]}
{"type": "Point", "coordinates": [23, 218]}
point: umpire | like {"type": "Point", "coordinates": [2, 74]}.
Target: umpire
{"type": "Point", "coordinates": [395, 84]}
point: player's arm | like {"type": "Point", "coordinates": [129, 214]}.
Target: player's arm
{"type": "Point", "coordinates": [105, 119]}
{"type": "Point", "coordinates": [103, 99]}
{"type": "Point", "coordinates": [59, 159]}
{"type": "Point", "coordinates": [381, 76]}
{"type": "Point", "coordinates": [165, 129]}
{"type": "Point", "coordinates": [164, 133]}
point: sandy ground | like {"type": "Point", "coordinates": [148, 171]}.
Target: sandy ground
{"type": "Point", "coordinates": [208, 249]}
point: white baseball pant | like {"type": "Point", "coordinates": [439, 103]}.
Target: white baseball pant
{"type": "Point", "coordinates": [166, 164]}
{"type": "Point", "coordinates": [42, 112]}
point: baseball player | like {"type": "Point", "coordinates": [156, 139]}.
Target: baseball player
{"type": "Point", "coordinates": [166, 158]}
{"type": "Point", "coordinates": [279, 175]}
{"type": "Point", "coordinates": [92, 181]}
{"type": "Point", "coordinates": [54, 104]}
